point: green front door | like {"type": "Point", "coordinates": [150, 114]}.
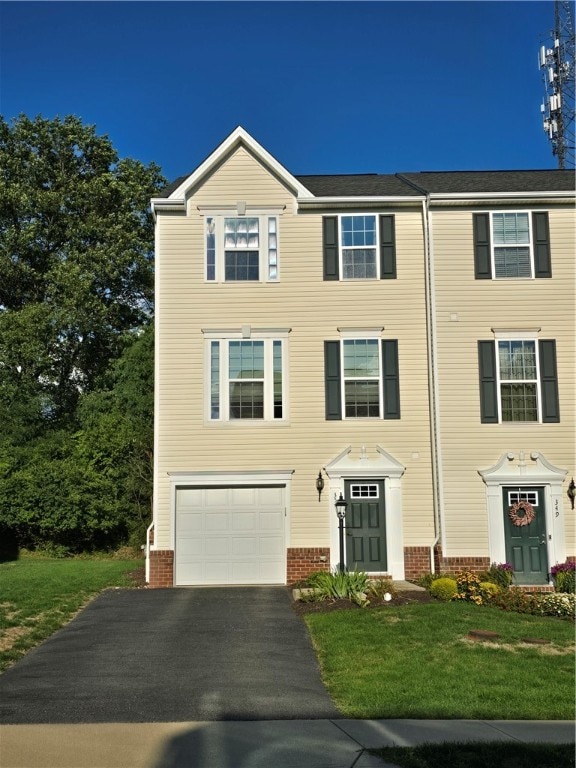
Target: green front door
{"type": "Point", "coordinates": [365, 526]}
{"type": "Point", "coordinates": [526, 548]}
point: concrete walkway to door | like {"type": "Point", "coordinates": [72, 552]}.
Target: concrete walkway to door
{"type": "Point", "coordinates": [172, 655]}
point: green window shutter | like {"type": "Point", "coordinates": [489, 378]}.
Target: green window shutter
{"type": "Point", "coordinates": [390, 379]}
{"type": "Point", "coordinates": [488, 390]}
{"type": "Point", "coordinates": [482, 251]}
{"type": "Point", "coordinates": [330, 247]}
{"type": "Point", "coordinates": [549, 381]}
{"type": "Point", "coordinates": [332, 380]}
{"type": "Point", "coordinates": [387, 248]}
{"type": "Point", "coordinates": [541, 235]}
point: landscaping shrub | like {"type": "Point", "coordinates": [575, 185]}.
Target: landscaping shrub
{"type": "Point", "coordinates": [514, 599]}
{"type": "Point", "coordinates": [444, 588]}
{"type": "Point", "coordinates": [564, 575]}
{"type": "Point", "coordinates": [488, 590]}
{"type": "Point", "coordinates": [427, 579]}
{"type": "Point", "coordinates": [498, 573]}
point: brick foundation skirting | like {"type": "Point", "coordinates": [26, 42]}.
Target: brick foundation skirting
{"type": "Point", "coordinates": [161, 568]}
{"type": "Point", "coordinates": [416, 562]}
{"type": "Point", "coordinates": [301, 561]}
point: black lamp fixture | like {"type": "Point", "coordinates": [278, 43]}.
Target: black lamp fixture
{"type": "Point", "coordinates": [571, 492]}
{"type": "Point", "coordinates": [319, 484]}
{"type": "Point", "coordinates": [341, 505]}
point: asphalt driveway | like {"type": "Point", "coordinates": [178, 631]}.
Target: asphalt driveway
{"type": "Point", "coordinates": [172, 655]}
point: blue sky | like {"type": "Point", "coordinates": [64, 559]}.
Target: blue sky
{"type": "Point", "coordinates": [326, 87]}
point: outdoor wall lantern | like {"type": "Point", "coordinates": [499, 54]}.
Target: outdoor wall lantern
{"type": "Point", "coordinates": [571, 492]}
{"type": "Point", "coordinates": [319, 484]}
{"type": "Point", "coordinates": [341, 505]}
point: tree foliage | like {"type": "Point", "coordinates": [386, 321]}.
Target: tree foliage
{"type": "Point", "coordinates": [89, 487]}
{"type": "Point", "coordinates": [76, 352]}
{"type": "Point", "coordinates": [76, 250]}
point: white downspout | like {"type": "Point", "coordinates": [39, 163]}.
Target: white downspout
{"type": "Point", "coordinates": [148, 532]}
{"type": "Point", "coordinates": [437, 477]}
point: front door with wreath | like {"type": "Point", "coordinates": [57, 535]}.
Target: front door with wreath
{"type": "Point", "coordinates": [525, 533]}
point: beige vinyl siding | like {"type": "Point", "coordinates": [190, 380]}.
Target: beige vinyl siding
{"type": "Point", "coordinates": [314, 310]}
{"type": "Point", "coordinates": [467, 311]}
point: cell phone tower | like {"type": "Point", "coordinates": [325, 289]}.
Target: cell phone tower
{"type": "Point", "coordinates": [556, 62]}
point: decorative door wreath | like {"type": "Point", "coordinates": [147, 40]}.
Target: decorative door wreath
{"type": "Point", "coordinates": [516, 510]}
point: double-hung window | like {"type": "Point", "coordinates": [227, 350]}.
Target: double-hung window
{"type": "Point", "coordinates": [241, 248]}
{"type": "Point", "coordinates": [512, 244]}
{"type": "Point", "coordinates": [361, 378]}
{"type": "Point", "coordinates": [359, 242]}
{"type": "Point", "coordinates": [359, 247]}
{"type": "Point", "coordinates": [247, 379]}
{"type": "Point", "coordinates": [518, 379]}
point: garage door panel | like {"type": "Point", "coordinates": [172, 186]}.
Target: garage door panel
{"type": "Point", "coordinates": [271, 520]}
{"type": "Point", "coordinates": [231, 535]}
{"type": "Point", "coordinates": [244, 521]}
{"type": "Point", "coordinates": [217, 546]}
{"type": "Point", "coordinates": [190, 548]}
{"type": "Point", "coordinates": [245, 546]}
{"type": "Point", "coordinates": [271, 546]}
{"type": "Point", "coordinates": [270, 497]}
{"type": "Point", "coordinates": [243, 497]}
{"type": "Point", "coordinates": [216, 521]}
{"type": "Point", "coordinates": [190, 523]}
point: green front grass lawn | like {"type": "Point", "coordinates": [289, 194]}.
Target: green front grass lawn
{"type": "Point", "coordinates": [38, 595]}
{"type": "Point", "coordinates": [416, 661]}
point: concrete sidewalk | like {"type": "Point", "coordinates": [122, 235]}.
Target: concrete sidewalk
{"type": "Point", "coordinates": [249, 744]}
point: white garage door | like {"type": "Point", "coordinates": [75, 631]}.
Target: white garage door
{"type": "Point", "coordinates": [231, 535]}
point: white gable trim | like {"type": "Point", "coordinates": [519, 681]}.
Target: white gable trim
{"type": "Point", "coordinates": [237, 138]}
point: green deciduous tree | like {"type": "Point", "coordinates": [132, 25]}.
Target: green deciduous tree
{"type": "Point", "coordinates": [90, 487]}
{"type": "Point", "coordinates": [76, 248]}
{"type": "Point", "coordinates": [76, 353]}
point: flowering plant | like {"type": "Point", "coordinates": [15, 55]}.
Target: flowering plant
{"type": "Point", "coordinates": [564, 575]}
{"type": "Point", "coordinates": [558, 605]}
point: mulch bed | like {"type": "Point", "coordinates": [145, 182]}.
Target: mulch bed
{"type": "Point", "coordinates": [326, 606]}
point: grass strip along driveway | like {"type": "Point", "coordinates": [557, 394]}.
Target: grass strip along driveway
{"type": "Point", "coordinates": [38, 595]}
{"type": "Point", "coordinates": [479, 755]}
{"type": "Point", "coordinates": [416, 661]}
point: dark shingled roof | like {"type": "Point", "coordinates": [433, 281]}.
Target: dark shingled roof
{"type": "Point", "coordinates": [363, 185]}
{"type": "Point", "coordinates": [434, 182]}
{"type": "Point", "coordinates": [472, 182]}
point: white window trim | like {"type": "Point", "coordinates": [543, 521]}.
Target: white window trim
{"type": "Point", "coordinates": [493, 246]}
{"type": "Point", "coordinates": [511, 335]}
{"type": "Point", "coordinates": [238, 211]}
{"type": "Point", "coordinates": [341, 247]}
{"type": "Point", "coordinates": [246, 333]}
